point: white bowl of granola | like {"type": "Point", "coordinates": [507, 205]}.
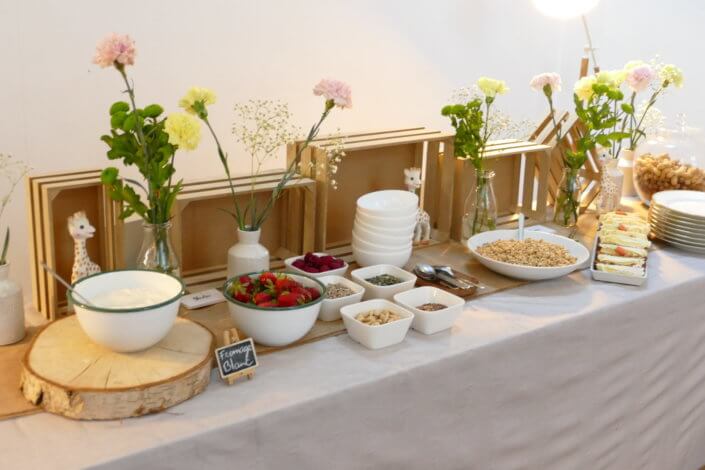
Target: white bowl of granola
{"type": "Point", "coordinates": [539, 256]}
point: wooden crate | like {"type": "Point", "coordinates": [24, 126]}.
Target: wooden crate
{"type": "Point", "coordinates": [375, 161]}
{"type": "Point", "coordinates": [203, 231]}
{"type": "Point", "coordinates": [52, 199]}
{"type": "Point", "coordinates": [590, 172]}
{"type": "Point", "coordinates": [520, 183]}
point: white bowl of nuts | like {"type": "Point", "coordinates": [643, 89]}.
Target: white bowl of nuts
{"type": "Point", "coordinates": [376, 323]}
{"type": "Point", "coordinates": [339, 293]}
{"type": "Point", "coordinates": [434, 309]}
{"type": "Point", "coordinates": [382, 281]}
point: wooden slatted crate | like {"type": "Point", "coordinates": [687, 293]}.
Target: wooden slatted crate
{"type": "Point", "coordinates": [375, 161]}
{"type": "Point", "coordinates": [520, 183]}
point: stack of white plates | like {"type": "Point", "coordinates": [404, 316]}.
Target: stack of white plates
{"type": "Point", "coordinates": [384, 227]}
{"type": "Point", "coordinates": [678, 218]}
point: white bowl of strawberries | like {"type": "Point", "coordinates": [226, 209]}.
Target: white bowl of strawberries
{"type": "Point", "coordinates": [274, 308]}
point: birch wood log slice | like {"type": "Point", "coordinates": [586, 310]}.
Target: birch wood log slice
{"type": "Point", "coordinates": [65, 373]}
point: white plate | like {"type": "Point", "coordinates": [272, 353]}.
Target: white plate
{"type": "Point", "coordinates": [683, 246]}
{"type": "Point", "coordinates": [656, 217]}
{"type": "Point", "coordinates": [670, 236]}
{"type": "Point", "coordinates": [528, 273]}
{"type": "Point", "coordinates": [676, 218]}
{"type": "Point", "coordinates": [685, 202]}
{"type": "Point", "coordinates": [680, 230]}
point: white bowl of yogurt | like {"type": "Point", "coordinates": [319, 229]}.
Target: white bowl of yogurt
{"type": "Point", "coordinates": [130, 310]}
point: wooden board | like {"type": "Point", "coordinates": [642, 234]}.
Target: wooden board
{"type": "Point", "coordinates": [65, 373]}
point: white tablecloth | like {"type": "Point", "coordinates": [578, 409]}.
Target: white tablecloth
{"type": "Point", "coordinates": [562, 374]}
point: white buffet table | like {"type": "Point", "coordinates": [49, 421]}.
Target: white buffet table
{"type": "Point", "coordinates": [562, 374]}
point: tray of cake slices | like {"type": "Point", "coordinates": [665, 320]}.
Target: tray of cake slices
{"type": "Point", "coordinates": [621, 249]}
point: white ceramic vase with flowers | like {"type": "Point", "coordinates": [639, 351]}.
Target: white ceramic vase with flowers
{"type": "Point", "coordinates": [263, 127]}
{"type": "Point", "coordinates": [11, 306]}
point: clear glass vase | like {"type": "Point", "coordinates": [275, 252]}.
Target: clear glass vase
{"type": "Point", "coordinates": [480, 214]}
{"type": "Point", "coordinates": [156, 253]}
{"type": "Point", "coordinates": [568, 199]}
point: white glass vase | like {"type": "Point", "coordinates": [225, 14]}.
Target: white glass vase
{"type": "Point", "coordinates": [11, 308]}
{"type": "Point", "coordinates": [247, 255]}
{"type": "Point", "coordinates": [626, 166]}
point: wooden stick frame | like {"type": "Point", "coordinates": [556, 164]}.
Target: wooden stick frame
{"type": "Point", "coordinates": [505, 158]}
{"type": "Point", "coordinates": [375, 160]}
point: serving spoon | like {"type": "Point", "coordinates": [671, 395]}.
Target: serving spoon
{"type": "Point", "coordinates": [431, 273]}
{"type": "Point", "coordinates": [67, 285]}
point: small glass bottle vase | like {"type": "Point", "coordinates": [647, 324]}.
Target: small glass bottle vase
{"type": "Point", "coordinates": [156, 253]}
{"type": "Point", "coordinates": [568, 199]}
{"type": "Point", "coordinates": [480, 214]}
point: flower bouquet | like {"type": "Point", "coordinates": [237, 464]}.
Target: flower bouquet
{"type": "Point", "coordinates": [144, 138]}
{"type": "Point", "coordinates": [473, 126]}
{"type": "Point", "coordinates": [263, 127]}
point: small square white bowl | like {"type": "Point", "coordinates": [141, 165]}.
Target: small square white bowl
{"type": "Point", "coordinates": [376, 337]}
{"type": "Point", "coordinates": [289, 262]}
{"type": "Point", "coordinates": [330, 308]}
{"type": "Point", "coordinates": [425, 322]}
{"type": "Point", "coordinates": [373, 291]}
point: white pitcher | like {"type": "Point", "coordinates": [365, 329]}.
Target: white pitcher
{"type": "Point", "coordinates": [247, 255]}
{"type": "Point", "coordinates": [11, 308]}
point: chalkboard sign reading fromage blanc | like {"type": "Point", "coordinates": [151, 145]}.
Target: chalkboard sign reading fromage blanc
{"type": "Point", "coordinates": [236, 359]}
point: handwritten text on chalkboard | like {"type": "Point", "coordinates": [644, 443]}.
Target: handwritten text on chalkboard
{"type": "Point", "coordinates": [237, 358]}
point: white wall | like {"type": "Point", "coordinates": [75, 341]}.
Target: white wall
{"type": "Point", "coordinates": [402, 57]}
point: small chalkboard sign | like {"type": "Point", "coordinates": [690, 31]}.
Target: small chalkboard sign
{"type": "Point", "coordinates": [236, 358]}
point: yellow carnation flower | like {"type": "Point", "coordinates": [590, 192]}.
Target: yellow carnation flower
{"type": "Point", "coordinates": [492, 87]}
{"type": "Point", "coordinates": [671, 74]}
{"type": "Point", "coordinates": [184, 130]}
{"type": "Point", "coordinates": [583, 87]}
{"type": "Point", "coordinates": [613, 78]}
{"type": "Point", "coordinates": [197, 95]}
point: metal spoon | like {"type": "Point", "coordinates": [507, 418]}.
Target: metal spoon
{"type": "Point", "coordinates": [447, 270]}
{"type": "Point", "coordinates": [67, 285]}
{"type": "Point", "coordinates": [520, 234]}
{"type": "Point", "coordinates": [427, 272]}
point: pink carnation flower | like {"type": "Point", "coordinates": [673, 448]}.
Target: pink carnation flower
{"type": "Point", "coordinates": [548, 78]}
{"type": "Point", "coordinates": [639, 78]}
{"type": "Point", "coordinates": [115, 48]}
{"type": "Point", "coordinates": [336, 91]}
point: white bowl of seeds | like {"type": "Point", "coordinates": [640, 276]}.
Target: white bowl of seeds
{"type": "Point", "coordinates": [339, 293]}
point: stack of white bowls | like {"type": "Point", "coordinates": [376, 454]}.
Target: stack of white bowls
{"type": "Point", "coordinates": [384, 227]}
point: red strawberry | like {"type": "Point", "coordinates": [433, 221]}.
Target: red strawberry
{"type": "Point", "coordinates": [244, 280]}
{"type": "Point", "coordinates": [267, 277]}
{"type": "Point", "coordinates": [620, 251]}
{"type": "Point", "coordinates": [314, 292]}
{"type": "Point", "coordinates": [302, 292]}
{"type": "Point", "coordinates": [289, 299]}
{"type": "Point", "coordinates": [270, 304]}
{"type": "Point", "coordinates": [242, 297]}
{"type": "Point", "coordinates": [284, 284]}
{"type": "Point", "coordinates": [261, 298]}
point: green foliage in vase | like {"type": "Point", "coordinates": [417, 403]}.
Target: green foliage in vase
{"type": "Point", "coordinates": [468, 122]}
{"type": "Point", "coordinates": [137, 137]}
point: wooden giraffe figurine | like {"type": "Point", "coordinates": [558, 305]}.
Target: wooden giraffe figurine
{"type": "Point", "coordinates": [412, 180]}
{"type": "Point", "coordinates": [81, 230]}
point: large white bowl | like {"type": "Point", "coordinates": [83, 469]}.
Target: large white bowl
{"type": "Point", "coordinates": [407, 221]}
{"type": "Point", "coordinates": [380, 239]}
{"type": "Point", "coordinates": [528, 273]}
{"type": "Point", "coordinates": [289, 262]}
{"type": "Point", "coordinates": [127, 329]}
{"type": "Point", "coordinates": [370, 258]}
{"type": "Point", "coordinates": [401, 231]}
{"type": "Point", "coordinates": [373, 291]}
{"type": "Point", "coordinates": [388, 202]}
{"type": "Point", "coordinates": [275, 326]}
{"type": "Point", "coordinates": [427, 322]}
{"type": "Point", "coordinates": [330, 308]}
{"type": "Point", "coordinates": [381, 336]}
{"type": "Point", "coordinates": [375, 247]}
